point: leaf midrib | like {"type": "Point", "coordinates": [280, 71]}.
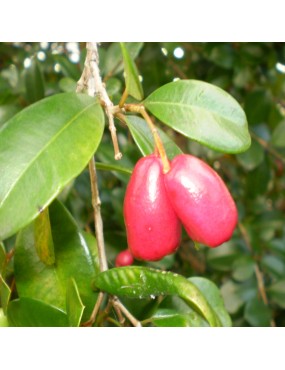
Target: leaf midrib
{"type": "Point", "coordinates": [25, 169]}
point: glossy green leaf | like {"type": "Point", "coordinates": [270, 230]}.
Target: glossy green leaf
{"type": "Point", "coordinates": [144, 139]}
{"type": "Point", "coordinates": [257, 313]}
{"type": "Point", "coordinates": [3, 319]}
{"type": "Point", "coordinates": [142, 282]}
{"type": "Point", "coordinates": [278, 136]}
{"type": "Point", "coordinates": [27, 312]}
{"type": "Point", "coordinates": [114, 60]}
{"type": "Point", "coordinates": [42, 149]}
{"type": "Point", "coordinates": [34, 82]}
{"type": "Point", "coordinates": [133, 85]}
{"type": "Point", "coordinates": [165, 317]}
{"type": "Point", "coordinates": [43, 238]}
{"type": "Point", "coordinates": [5, 294]}
{"type": "Point", "coordinates": [2, 257]}
{"type": "Point", "coordinates": [74, 305]}
{"type": "Point", "coordinates": [75, 257]}
{"type": "Point", "coordinates": [214, 297]}
{"type": "Point", "coordinates": [202, 112]}
{"type": "Point", "coordinates": [253, 157]}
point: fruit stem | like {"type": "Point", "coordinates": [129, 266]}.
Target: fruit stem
{"type": "Point", "coordinates": [158, 143]}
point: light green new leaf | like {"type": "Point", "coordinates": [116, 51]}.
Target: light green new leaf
{"type": "Point", "coordinates": [143, 137]}
{"type": "Point", "coordinates": [42, 149]}
{"type": "Point", "coordinates": [3, 319]}
{"type": "Point", "coordinates": [74, 305]}
{"type": "Point", "coordinates": [43, 238]}
{"type": "Point", "coordinates": [143, 282]}
{"type": "Point", "coordinates": [202, 112]}
{"type": "Point", "coordinates": [75, 257]}
{"type": "Point", "coordinates": [133, 85]}
{"type": "Point", "coordinates": [27, 312]}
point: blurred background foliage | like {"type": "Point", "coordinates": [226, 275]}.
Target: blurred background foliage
{"type": "Point", "coordinates": [249, 269]}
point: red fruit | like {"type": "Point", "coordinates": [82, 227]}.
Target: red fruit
{"type": "Point", "coordinates": [153, 229]}
{"type": "Point", "coordinates": [201, 200]}
{"type": "Point", "coordinates": [124, 258]}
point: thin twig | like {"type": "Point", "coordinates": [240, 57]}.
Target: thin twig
{"type": "Point", "coordinates": [268, 147]}
{"type": "Point", "coordinates": [126, 312]}
{"type": "Point", "coordinates": [95, 310]}
{"type": "Point", "coordinates": [258, 273]}
{"type": "Point", "coordinates": [98, 223]}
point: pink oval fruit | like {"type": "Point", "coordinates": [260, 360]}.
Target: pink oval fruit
{"type": "Point", "coordinates": [201, 200]}
{"type": "Point", "coordinates": [124, 258]}
{"type": "Point", "coordinates": [153, 229]}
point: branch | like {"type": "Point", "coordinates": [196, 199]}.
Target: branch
{"type": "Point", "coordinates": [92, 81]}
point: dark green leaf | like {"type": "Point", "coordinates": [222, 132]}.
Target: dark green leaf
{"type": "Point", "coordinates": [5, 294]}
{"type": "Point", "coordinates": [278, 136]}
{"type": "Point", "coordinates": [257, 106]}
{"type": "Point", "coordinates": [276, 293]}
{"type": "Point", "coordinates": [43, 238]}
{"type": "Point", "coordinates": [243, 268]}
{"type": "Point", "coordinates": [274, 266]}
{"type": "Point", "coordinates": [257, 313]}
{"type": "Point", "coordinates": [202, 112]}
{"type": "Point", "coordinates": [29, 312]}
{"type": "Point", "coordinates": [75, 257]}
{"type": "Point", "coordinates": [34, 82]}
{"type": "Point", "coordinates": [222, 258]}
{"type": "Point", "coordinates": [3, 319]}
{"type": "Point", "coordinates": [253, 157]}
{"type": "Point", "coordinates": [133, 85]}
{"type": "Point", "coordinates": [113, 167]}
{"type": "Point", "coordinates": [42, 149]}
{"type": "Point", "coordinates": [142, 282]}
{"type": "Point", "coordinates": [143, 137]}
{"type": "Point", "coordinates": [74, 305]}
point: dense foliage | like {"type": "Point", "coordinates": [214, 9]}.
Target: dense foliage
{"type": "Point", "coordinates": [40, 288]}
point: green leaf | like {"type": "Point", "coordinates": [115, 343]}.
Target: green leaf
{"type": "Point", "coordinates": [67, 84]}
{"type": "Point", "coordinates": [113, 86]}
{"type": "Point", "coordinates": [202, 112]}
{"type": "Point", "coordinates": [75, 257]}
{"type": "Point", "coordinates": [144, 139]}
{"type": "Point", "coordinates": [43, 238]}
{"type": "Point", "coordinates": [34, 82]}
{"type": "Point", "coordinates": [113, 167]}
{"type": "Point", "coordinates": [133, 85]}
{"type": "Point", "coordinates": [278, 136]}
{"type": "Point", "coordinates": [253, 157]}
{"type": "Point", "coordinates": [243, 268]}
{"type": "Point", "coordinates": [257, 313]}
{"type": "Point", "coordinates": [165, 317]}
{"type": "Point", "coordinates": [276, 293]}
{"type": "Point", "coordinates": [222, 258]}
{"type": "Point", "coordinates": [2, 257]}
{"type": "Point", "coordinates": [42, 149]}
{"type": "Point", "coordinates": [3, 319]}
{"type": "Point", "coordinates": [74, 305]}
{"type": "Point", "coordinates": [27, 312]}
{"type": "Point", "coordinates": [274, 266]}
{"type": "Point", "coordinates": [142, 282]}
{"type": "Point", "coordinates": [7, 111]}
{"type": "Point", "coordinates": [114, 60]}
{"type": "Point", "coordinates": [214, 297]}
{"type": "Point", "coordinates": [5, 294]}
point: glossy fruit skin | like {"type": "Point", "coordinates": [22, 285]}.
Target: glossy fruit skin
{"type": "Point", "coordinates": [124, 258]}
{"type": "Point", "coordinates": [153, 229]}
{"type": "Point", "coordinates": [201, 200]}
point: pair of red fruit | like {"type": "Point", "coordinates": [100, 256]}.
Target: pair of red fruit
{"type": "Point", "coordinates": [191, 193]}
